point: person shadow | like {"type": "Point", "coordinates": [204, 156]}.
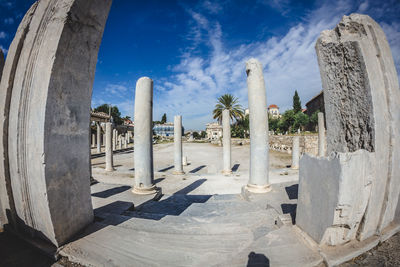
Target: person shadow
{"type": "Point", "coordinates": [257, 260]}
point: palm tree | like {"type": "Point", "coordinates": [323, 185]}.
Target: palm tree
{"type": "Point", "coordinates": [229, 102]}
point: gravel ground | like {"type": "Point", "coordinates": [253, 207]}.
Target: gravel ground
{"type": "Point", "coordinates": [385, 254]}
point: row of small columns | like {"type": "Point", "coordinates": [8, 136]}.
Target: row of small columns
{"type": "Point", "coordinates": [121, 141]}
{"type": "Point", "coordinates": [259, 146]}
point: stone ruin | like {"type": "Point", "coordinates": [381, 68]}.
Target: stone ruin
{"type": "Point", "coordinates": [45, 96]}
{"type": "Point", "coordinates": [353, 193]}
{"type": "Point", "coordinates": [45, 93]}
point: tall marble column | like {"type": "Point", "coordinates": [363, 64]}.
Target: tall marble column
{"type": "Point", "coordinates": [109, 152]}
{"type": "Point", "coordinates": [143, 156]}
{"type": "Point", "coordinates": [98, 137]}
{"type": "Point", "coordinates": [259, 180]}
{"type": "Point", "coordinates": [125, 141]}
{"type": "Point", "coordinates": [178, 145]}
{"type": "Point", "coordinates": [226, 135]}
{"type": "Point", "coordinates": [295, 152]}
{"type": "Point", "coordinates": [321, 135]}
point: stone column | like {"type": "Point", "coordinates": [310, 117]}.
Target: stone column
{"type": "Point", "coordinates": [114, 145]}
{"type": "Point", "coordinates": [109, 152]}
{"type": "Point", "coordinates": [119, 141]}
{"type": "Point", "coordinates": [226, 135]}
{"type": "Point", "coordinates": [98, 137]}
{"type": "Point", "coordinates": [143, 156]}
{"type": "Point", "coordinates": [321, 135]}
{"type": "Point", "coordinates": [178, 145]}
{"type": "Point", "coordinates": [93, 140]}
{"type": "Point", "coordinates": [104, 137]}
{"type": "Point", "coordinates": [125, 141]}
{"type": "Point", "coordinates": [258, 181]}
{"type": "Point", "coordinates": [295, 152]}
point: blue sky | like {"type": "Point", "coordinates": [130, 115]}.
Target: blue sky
{"type": "Point", "coordinates": [195, 51]}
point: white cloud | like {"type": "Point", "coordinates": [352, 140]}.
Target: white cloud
{"type": "Point", "coordinates": [212, 7]}
{"type": "Point", "coordinates": [116, 89]}
{"type": "Point", "coordinates": [3, 35]}
{"type": "Point", "coordinates": [289, 61]}
{"type": "Point", "coordinates": [363, 7]}
{"type": "Point", "coordinates": [9, 21]}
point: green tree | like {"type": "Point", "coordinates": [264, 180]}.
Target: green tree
{"type": "Point", "coordinates": [300, 121]}
{"type": "Point", "coordinates": [287, 121]}
{"type": "Point", "coordinates": [203, 134]}
{"type": "Point", "coordinates": [314, 120]}
{"type": "Point", "coordinates": [229, 102]}
{"type": "Point", "coordinates": [273, 124]}
{"type": "Point", "coordinates": [164, 118]}
{"type": "Point", "coordinates": [115, 113]}
{"type": "Point", "coordinates": [296, 102]}
{"type": "Point", "coordinates": [196, 135]}
{"type": "Point", "coordinates": [241, 127]}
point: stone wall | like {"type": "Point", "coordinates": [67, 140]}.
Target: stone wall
{"type": "Point", "coordinates": [283, 143]}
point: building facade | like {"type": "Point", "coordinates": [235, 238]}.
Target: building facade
{"type": "Point", "coordinates": [166, 129]}
{"type": "Point", "coordinates": [213, 130]}
{"type": "Point", "coordinates": [273, 111]}
{"type": "Point", "coordinates": [316, 104]}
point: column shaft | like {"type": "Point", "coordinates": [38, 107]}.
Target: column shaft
{"type": "Point", "coordinates": [258, 181]}
{"type": "Point", "coordinates": [144, 174]}
{"type": "Point", "coordinates": [295, 152]}
{"type": "Point", "coordinates": [226, 131]}
{"type": "Point", "coordinates": [114, 139]}
{"type": "Point", "coordinates": [178, 145]}
{"type": "Point", "coordinates": [98, 137]}
{"type": "Point", "coordinates": [109, 152]}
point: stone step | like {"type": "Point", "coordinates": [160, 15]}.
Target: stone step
{"type": "Point", "coordinates": [175, 225]}
{"type": "Point", "coordinates": [119, 246]}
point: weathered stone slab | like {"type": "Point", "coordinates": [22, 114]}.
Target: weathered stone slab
{"type": "Point", "coordinates": [328, 210]}
{"type": "Point", "coordinates": [45, 96]}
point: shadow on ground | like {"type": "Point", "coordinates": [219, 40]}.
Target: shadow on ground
{"type": "Point", "coordinates": [257, 260]}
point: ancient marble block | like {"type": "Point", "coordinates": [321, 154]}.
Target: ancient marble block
{"type": "Point", "coordinates": [45, 96]}
{"type": "Point", "coordinates": [328, 209]}
{"type": "Point", "coordinates": [362, 104]}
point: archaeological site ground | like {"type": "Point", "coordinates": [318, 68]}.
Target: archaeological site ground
{"type": "Point", "coordinates": [71, 197]}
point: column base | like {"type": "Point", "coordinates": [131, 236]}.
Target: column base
{"type": "Point", "coordinates": [258, 189]}
{"type": "Point", "coordinates": [110, 170]}
{"type": "Point", "coordinates": [178, 172]}
{"type": "Point", "coordinates": [145, 190]}
{"type": "Point", "coordinates": [227, 172]}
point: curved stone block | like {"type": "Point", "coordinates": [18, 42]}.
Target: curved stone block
{"type": "Point", "coordinates": [46, 95]}
{"type": "Point", "coordinates": [362, 104]}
